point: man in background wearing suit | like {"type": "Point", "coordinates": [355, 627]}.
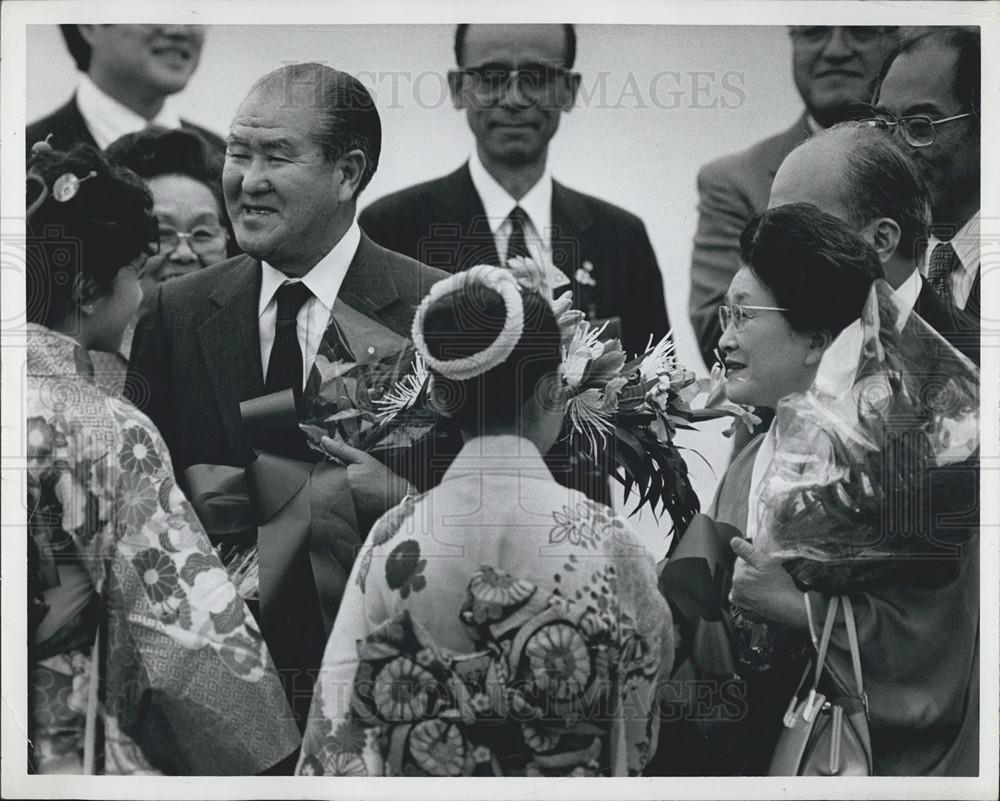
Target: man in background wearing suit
{"type": "Point", "coordinates": [833, 68]}
{"type": "Point", "coordinates": [929, 94]}
{"type": "Point", "coordinates": [859, 174]}
{"type": "Point", "coordinates": [129, 73]}
{"type": "Point", "coordinates": [304, 143]}
{"type": "Point", "coordinates": [514, 83]}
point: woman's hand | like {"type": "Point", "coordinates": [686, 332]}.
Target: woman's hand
{"type": "Point", "coordinates": [762, 588]}
{"type": "Point", "coordinates": [375, 487]}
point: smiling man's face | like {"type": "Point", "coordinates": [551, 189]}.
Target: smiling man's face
{"type": "Point", "coordinates": [161, 58]}
{"type": "Point", "coordinates": [834, 67]}
{"type": "Point", "coordinates": [514, 128]}
{"type": "Point", "coordinates": [281, 193]}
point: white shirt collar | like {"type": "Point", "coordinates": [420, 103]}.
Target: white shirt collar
{"type": "Point", "coordinates": [498, 204]}
{"type": "Point", "coordinates": [908, 292]}
{"type": "Point", "coordinates": [107, 119]}
{"type": "Point", "coordinates": [324, 280]}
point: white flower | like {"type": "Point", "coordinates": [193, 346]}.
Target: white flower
{"type": "Point", "coordinates": [585, 346]}
{"type": "Point", "coordinates": [530, 275]}
{"type": "Point", "coordinates": [658, 360]}
{"type": "Point", "coordinates": [592, 415]}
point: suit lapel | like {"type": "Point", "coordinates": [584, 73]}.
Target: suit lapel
{"type": "Point", "coordinates": [460, 208]}
{"type": "Point", "coordinates": [369, 285]}
{"type": "Point", "coordinates": [973, 302]}
{"type": "Point", "coordinates": [571, 224]}
{"type": "Point", "coordinates": [230, 343]}
{"type": "Point", "coordinates": [791, 139]}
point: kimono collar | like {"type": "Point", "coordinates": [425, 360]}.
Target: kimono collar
{"type": "Point", "coordinates": [51, 353]}
{"type": "Point", "coordinates": [494, 454]}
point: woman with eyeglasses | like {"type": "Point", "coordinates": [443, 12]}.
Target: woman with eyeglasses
{"type": "Point", "coordinates": [143, 658]}
{"type": "Point", "coordinates": [805, 278]}
{"type": "Point", "coordinates": [184, 176]}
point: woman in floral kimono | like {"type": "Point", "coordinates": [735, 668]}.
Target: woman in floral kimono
{"type": "Point", "coordinates": [142, 658]}
{"type": "Point", "coordinates": [499, 624]}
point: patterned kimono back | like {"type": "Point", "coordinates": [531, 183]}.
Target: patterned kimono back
{"type": "Point", "coordinates": [185, 681]}
{"type": "Point", "coordinates": [499, 624]}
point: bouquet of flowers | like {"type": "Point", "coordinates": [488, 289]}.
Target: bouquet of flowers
{"type": "Point", "coordinates": [889, 421]}
{"type": "Point", "coordinates": [634, 405]}
{"type": "Point", "coordinates": [373, 406]}
{"type": "Point", "coordinates": [638, 405]}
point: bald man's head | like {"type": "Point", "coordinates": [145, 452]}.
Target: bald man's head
{"type": "Point", "coordinates": [860, 175]}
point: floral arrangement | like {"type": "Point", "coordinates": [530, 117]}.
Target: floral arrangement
{"type": "Point", "coordinates": [632, 406]}
{"type": "Point", "coordinates": [372, 405]}
{"type": "Point", "coordinates": [636, 406]}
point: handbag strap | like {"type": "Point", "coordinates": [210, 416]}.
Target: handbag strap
{"type": "Point", "coordinates": [852, 640]}
{"type": "Point", "coordinates": [824, 642]}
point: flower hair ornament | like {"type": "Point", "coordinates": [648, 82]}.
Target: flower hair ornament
{"type": "Point", "coordinates": [64, 188]}
{"type": "Point", "coordinates": [501, 281]}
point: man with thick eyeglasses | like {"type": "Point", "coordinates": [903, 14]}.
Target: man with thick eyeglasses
{"type": "Point", "coordinates": [833, 68]}
{"type": "Point", "coordinates": [514, 83]}
{"type": "Point", "coordinates": [928, 94]}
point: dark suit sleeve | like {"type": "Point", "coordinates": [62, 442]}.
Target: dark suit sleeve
{"type": "Point", "coordinates": [723, 211]}
{"type": "Point", "coordinates": [647, 309]}
{"type": "Point", "coordinates": [148, 384]}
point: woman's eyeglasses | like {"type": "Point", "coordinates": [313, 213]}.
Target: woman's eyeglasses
{"type": "Point", "coordinates": [737, 314]}
{"type": "Point", "coordinates": [918, 130]}
{"type": "Point", "coordinates": [203, 241]}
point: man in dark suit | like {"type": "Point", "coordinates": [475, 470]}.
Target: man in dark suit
{"type": "Point", "coordinates": [303, 144]}
{"type": "Point", "coordinates": [929, 95]}
{"type": "Point", "coordinates": [859, 174]}
{"type": "Point", "coordinates": [129, 73]}
{"type": "Point", "coordinates": [514, 83]}
{"type": "Point", "coordinates": [833, 68]}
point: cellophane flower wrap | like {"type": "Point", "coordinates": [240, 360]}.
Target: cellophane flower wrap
{"type": "Point", "coordinates": [892, 416]}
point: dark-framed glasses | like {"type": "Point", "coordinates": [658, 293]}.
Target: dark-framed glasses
{"type": "Point", "coordinates": [203, 240]}
{"type": "Point", "coordinates": [491, 80]}
{"type": "Point", "coordinates": [918, 130]}
{"type": "Point", "coordinates": [737, 314]}
{"type": "Point", "coordinates": [816, 36]}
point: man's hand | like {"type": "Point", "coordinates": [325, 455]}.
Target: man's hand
{"type": "Point", "coordinates": [763, 589]}
{"type": "Point", "coordinates": [374, 486]}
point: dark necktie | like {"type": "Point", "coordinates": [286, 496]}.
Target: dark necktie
{"type": "Point", "coordinates": [944, 260]}
{"type": "Point", "coordinates": [284, 368]}
{"type": "Point", "coordinates": [517, 245]}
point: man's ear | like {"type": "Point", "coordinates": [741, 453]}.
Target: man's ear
{"type": "Point", "coordinates": [883, 234]}
{"type": "Point", "coordinates": [819, 341]}
{"type": "Point", "coordinates": [352, 169]}
{"type": "Point", "coordinates": [456, 81]}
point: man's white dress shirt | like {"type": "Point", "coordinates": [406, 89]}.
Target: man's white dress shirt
{"type": "Point", "coordinates": [537, 205]}
{"type": "Point", "coordinates": [324, 281]}
{"type": "Point", "coordinates": [107, 119]}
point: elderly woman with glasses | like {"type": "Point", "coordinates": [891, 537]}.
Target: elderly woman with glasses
{"type": "Point", "coordinates": [805, 278]}
{"type": "Point", "coordinates": [184, 176]}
